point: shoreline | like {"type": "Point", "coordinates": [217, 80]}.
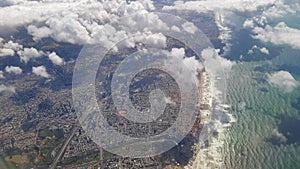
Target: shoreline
{"type": "Point", "coordinates": [207, 152]}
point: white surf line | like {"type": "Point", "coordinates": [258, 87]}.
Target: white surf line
{"type": "Point", "coordinates": [210, 156]}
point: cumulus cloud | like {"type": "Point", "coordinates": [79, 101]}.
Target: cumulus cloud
{"type": "Point", "coordinates": [29, 11]}
{"type": "Point", "coordinates": [157, 40]}
{"type": "Point", "coordinates": [4, 3]}
{"type": "Point", "coordinates": [263, 50]}
{"type": "Point", "coordinates": [175, 28]}
{"type": "Point", "coordinates": [9, 48]}
{"type": "Point", "coordinates": [218, 68]}
{"type": "Point", "coordinates": [12, 45]}
{"type": "Point", "coordinates": [215, 62]}
{"type": "Point", "coordinates": [106, 23]}
{"type": "Point", "coordinates": [229, 13]}
{"type": "Point", "coordinates": [193, 64]}
{"type": "Point", "coordinates": [6, 52]}
{"type": "Point", "coordinates": [29, 53]}
{"type": "Point", "coordinates": [148, 4]}
{"type": "Point", "coordinates": [189, 27]}
{"type": "Point", "coordinates": [40, 71]}
{"type": "Point", "coordinates": [281, 34]}
{"type": "Point", "coordinates": [181, 65]}
{"type": "Point", "coordinates": [39, 33]}
{"type": "Point", "coordinates": [279, 136]}
{"type": "Point", "coordinates": [55, 59]}
{"type": "Point", "coordinates": [1, 75]}
{"type": "Point", "coordinates": [214, 5]}
{"type": "Point", "coordinates": [280, 9]}
{"type": "Point", "coordinates": [4, 88]}
{"type": "Point", "coordinates": [65, 29]}
{"type": "Point", "coordinates": [178, 52]}
{"type": "Point", "coordinates": [283, 80]}
{"type": "Point", "coordinates": [272, 6]}
{"type": "Point", "coordinates": [249, 23]}
{"type": "Point", "coordinates": [68, 21]}
{"type": "Point", "coordinates": [13, 69]}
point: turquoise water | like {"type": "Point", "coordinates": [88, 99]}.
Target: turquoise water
{"type": "Point", "coordinates": [259, 109]}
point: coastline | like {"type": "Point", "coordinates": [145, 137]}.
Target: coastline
{"type": "Point", "coordinates": [215, 120]}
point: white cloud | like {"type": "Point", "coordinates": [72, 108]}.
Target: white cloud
{"type": "Point", "coordinates": [250, 51]}
{"type": "Point", "coordinates": [263, 50]}
{"type": "Point", "coordinates": [156, 40]}
{"type": "Point", "coordinates": [218, 68]}
{"type": "Point", "coordinates": [148, 4]}
{"type": "Point", "coordinates": [65, 29]}
{"type": "Point", "coordinates": [105, 23]}
{"type": "Point", "coordinates": [142, 21]}
{"type": "Point", "coordinates": [178, 52]}
{"type": "Point", "coordinates": [192, 64]}
{"type": "Point", "coordinates": [175, 28]}
{"type": "Point", "coordinates": [13, 69]}
{"type": "Point", "coordinates": [10, 2]}
{"type": "Point", "coordinates": [40, 71]}
{"type": "Point", "coordinates": [29, 53]}
{"type": "Point", "coordinates": [1, 75]}
{"type": "Point", "coordinates": [4, 88]}
{"type": "Point", "coordinates": [215, 62]}
{"type": "Point", "coordinates": [281, 34]}
{"type": "Point", "coordinates": [231, 15]}
{"type": "Point", "coordinates": [30, 12]}
{"type": "Point", "coordinates": [281, 138]}
{"type": "Point", "coordinates": [283, 80]}
{"type": "Point", "coordinates": [214, 5]}
{"type": "Point", "coordinates": [68, 21]}
{"type": "Point", "coordinates": [189, 27]}
{"type": "Point", "coordinates": [249, 23]}
{"type": "Point", "coordinates": [55, 59]}
{"type": "Point", "coordinates": [280, 9]}
{"type": "Point", "coordinates": [6, 52]}
{"type": "Point", "coordinates": [9, 48]}
{"type": "Point", "coordinates": [12, 45]}
{"type": "Point", "coordinates": [39, 33]}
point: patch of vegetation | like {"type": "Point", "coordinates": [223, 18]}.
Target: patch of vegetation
{"type": "Point", "coordinates": [107, 155]}
{"type": "Point", "coordinates": [17, 159]}
{"type": "Point", "coordinates": [6, 164]}
{"type": "Point", "coordinates": [56, 134]}
{"type": "Point", "coordinates": [79, 160]}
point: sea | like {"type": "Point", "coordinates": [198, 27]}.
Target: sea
{"type": "Point", "coordinates": [266, 131]}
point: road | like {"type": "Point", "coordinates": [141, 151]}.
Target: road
{"type": "Point", "coordinates": [63, 149]}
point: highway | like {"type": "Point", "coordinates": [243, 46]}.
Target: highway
{"type": "Point", "coordinates": [63, 149]}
